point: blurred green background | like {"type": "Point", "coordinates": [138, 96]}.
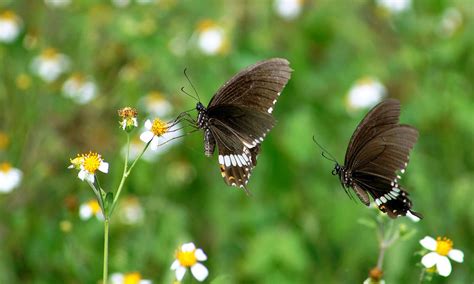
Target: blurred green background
{"type": "Point", "coordinates": [298, 226]}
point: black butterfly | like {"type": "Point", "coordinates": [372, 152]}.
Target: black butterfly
{"type": "Point", "coordinates": [378, 150]}
{"type": "Point", "coordinates": [239, 116]}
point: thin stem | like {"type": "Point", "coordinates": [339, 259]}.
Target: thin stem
{"type": "Point", "coordinates": [139, 156]}
{"type": "Point", "coordinates": [422, 275]}
{"type": "Point", "coordinates": [106, 251]}
{"type": "Point", "coordinates": [124, 176]}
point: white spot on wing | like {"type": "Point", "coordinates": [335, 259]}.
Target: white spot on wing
{"type": "Point", "coordinates": [383, 199]}
{"type": "Point", "coordinates": [377, 201]}
{"type": "Point", "coordinates": [270, 110]}
{"type": "Point", "coordinates": [232, 159]}
{"type": "Point", "coordinates": [221, 160]}
{"type": "Point", "coordinates": [227, 161]}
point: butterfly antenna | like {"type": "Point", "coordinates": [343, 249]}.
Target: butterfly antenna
{"type": "Point", "coordinates": [189, 95]}
{"type": "Point", "coordinates": [324, 151]}
{"type": "Point", "coordinates": [191, 83]}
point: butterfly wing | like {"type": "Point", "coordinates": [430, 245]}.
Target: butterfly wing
{"type": "Point", "coordinates": [378, 151]}
{"type": "Point", "coordinates": [258, 86]}
{"type": "Point", "coordinates": [240, 116]}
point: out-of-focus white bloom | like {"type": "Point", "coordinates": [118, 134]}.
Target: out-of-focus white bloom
{"type": "Point", "coordinates": [88, 165]}
{"type": "Point", "coordinates": [372, 281]}
{"type": "Point", "coordinates": [441, 249]}
{"type": "Point", "coordinates": [10, 26]}
{"type": "Point", "coordinates": [188, 256]}
{"type": "Point", "coordinates": [9, 177]}
{"type": "Point", "coordinates": [121, 3]}
{"type": "Point", "coordinates": [451, 22]}
{"type": "Point", "coordinates": [130, 211]}
{"type": "Point", "coordinates": [162, 137]}
{"type": "Point", "coordinates": [89, 209]}
{"type": "Point", "coordinates": [50, 64]}
{"type": "Point", "coordinates": [57, 3]}
{"type": "Point", "coordinates": [144, 2]}
{"type": "Point", "coordinates": [128, 278]}
{"type": "Point", "coordinates": [212, 38]}
{"type": "Point", "coordinates": [156, 104]}
{"type": "Point", "coordinates": [365, 93]}
{"type": "Point", "coordinates": [79, 88]}
{"type": "Point", "coordinates": [394, 6]}
{"type": "Point", "coordinates": [288, 9]}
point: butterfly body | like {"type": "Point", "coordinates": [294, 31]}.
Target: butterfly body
{"type": "Point", "coordinates": [239, 117]}
{"type": "Point", "coordinates": [376, 156]}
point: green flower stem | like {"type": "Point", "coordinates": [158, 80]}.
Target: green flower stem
{"type": "Point", "coordinates": [386, 239]}
{"type": "Point", "coordinates": [98, 195]}
{"type": "Point", "coordinates": [106, 251]}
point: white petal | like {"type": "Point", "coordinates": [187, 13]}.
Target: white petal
{"type": "Point", "coordinates": [430, 259]}
{"type": "Point", "coordinates": [85, 212]}
{"type": "Point", "coordinates": [428, 243]}
{"type": "Point", "coordinates": [116, 278]}
{"type": "Point", "coordinates": [188, 247]}
{"type": "Point", "coordinates": [148, 124]}
{"type": "Point", "coordinates": [200, 255]}
{"type": "Point", "coordinates": [146, 136]}
{"type": "Point", "coordinates": [154, 143]}
{"type": "Point", "coordinates": [82, 174]}
{"type": "Point", "coordinates": [456, 255]}
{"type": "Point", "coordinates": [90, 177]}
{"type": "Point", "coordinates": [199, 271]}
{"type": "Point", "coordinates": [443, 266]}
{"type": "Point", "coordinates": [145, 281]}
{"type": "Point", "coordinates": [104, 167]}
{"type": "Point", "coordinates": [180, 271]}
{"type": "Point", "coordinates": [175, 265]}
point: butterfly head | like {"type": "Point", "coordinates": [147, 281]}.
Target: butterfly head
{"type": "Point", "coordinates": [200, 107]}
{"type": "Point", "coordinates": [337, 170]}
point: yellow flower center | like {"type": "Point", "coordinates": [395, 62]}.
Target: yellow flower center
{"type": "Point", "coordinates": [91, 162]}
{"type": "Point", "coordinates": [3, 140]}
{"type": "Point", "coordinates": [8, 15]}
{"type": "Point", "coordinates": [206, 25]}
{"type": "Point", "coordinates": [186, 258]}
{"type": "Point", "coordinates": [49, 53]}
{"type": "Point", "coordinates": [5, 167]}
{"type": "Point", "coordinates": [94, 206]}
{"type": "Point", "coordinates": [159, 127]}
{"type": "Point", "coordinates": [443, 245]}
{"type": "Point", "coordinates": [132, 278]}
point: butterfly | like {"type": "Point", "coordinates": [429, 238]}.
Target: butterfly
{"type": "Point", "coordinates": [239, 116]}
{"type": "Point", "coordinates": [377, 154]}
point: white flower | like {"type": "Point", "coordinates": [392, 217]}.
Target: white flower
{"type": "Point", "coordinates": [211, 38]}
{"type": "Point", "coordinates": [371, 281]}
{"type": "Point", "coordinates": [162, 137]}
{"type": "Point", "coordinates": [144, 2]}
{"type": "Point", "coordinates": [88, 164]}
{"type": "Point", "coordinates": [128, 278]}
{"type": "Point", "coordinates": [80, 89]}
{"type": "Point", "coordinates": [10, 26]}
{"type": "Point", "coordinates": [365, 93]}
{"type": "Point", "coordinates": [9, 177]}
{"type": "Point", "coordinates": [187, 257]}
{"type": "Point", "coordinates": [394, 6]}
{"type": "Point", "coordinates": [130, 211]}
{"type": "Point", "coordinates": [89, 209]}
{"type": "Point", "coordinates": [156, 104]}
{"type": "Point", "coordinates": [451, 22]}
{"type": "Point", "coordinates": [57, 3]}
{"type": "Point", "coordinates": [441, 248]}
{"type": "Point", "coordinates": [288, 9]}
{"type": "Point", "coordinates": [50, 64]}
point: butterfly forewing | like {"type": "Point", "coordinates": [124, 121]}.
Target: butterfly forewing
{"type": "Point", "coordinates": [378, 151]}
{"type": "Point", "coordinates": [239, 117]}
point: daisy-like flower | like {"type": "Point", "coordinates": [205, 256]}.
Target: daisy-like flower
{"type": "Point", "coordinates": [4, 140]}
{"type": "Point", "coordinates": [164, 137]}
{"type": "Point", "coordinates": [365, 93]}
{"type": "Point", "coordinates": [394, 6]}
{"type": "Point", "coordinates": [89, 209]}
{"type": "Point", "coordinates": [212, 39]}
{"type": "Point", "coordinates": [130, 211]}
{"type": "Point", "coordinates": [79, 88]}
{"type": "Point", "coordinates": [10, 26]}
{"type": "Point", "coordinates": [441, 249]}
{"type": "Point", "coordinates": [156, 104]}
{"type": "Point", "coordinates": [188, 256]}
{"type": "Point", "coordinates": [129, 118]}
{"type": "Point", "coordinates": [88, 164]}
{"type": "Point", "coordinates": [451, 22]}
{"type": "Point", "coordinates": [57, 3]}
{"type": "Point", "coordinates": [288, 9]}
{"type": "Point", "coordinates": [9, 177]}
{"type": "Point", "coordinates": [128, 278]}
{"type": "Point", "coordinates": [50, 64]}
